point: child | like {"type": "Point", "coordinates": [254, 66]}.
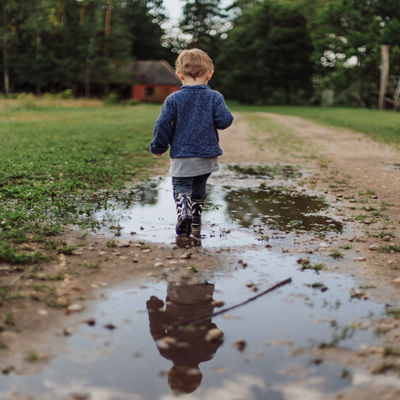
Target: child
{"type": "Point", "coordinates": [188, 123]}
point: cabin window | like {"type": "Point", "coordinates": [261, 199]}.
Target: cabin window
{"type": "Point", "coordinates": [149, 91]}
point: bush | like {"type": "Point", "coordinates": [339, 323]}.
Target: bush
{"type": "Point", "coordinates": [26, 100]}
{"type": "Point", "coordinates": [111, 98]}
{"type": "Point", "coordinates": [67, 94]}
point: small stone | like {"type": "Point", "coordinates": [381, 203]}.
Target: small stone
{"type": "Point", "coordinates": [123, 243]}
{"type": "Point", "coordinates": [7, 370]}
{"type": "Point", "coordinates": [123, 258]}
{"type": "Point", "coordinates": [250, 284]}
{"type": "Point", "coordinates": [101, 253]}
{"type": "Point", "coordinates": [75, 308]}
{"type": "Point", "coordinates": [187, 255]}
{"type": "Point", "coordinates": [146, 251]}
{"type": "Point", "coordinates": [110, 326]}
{"type": "Point", "coordinates": [386, 238]}
{"type": "Point", "coordinates": [135, 260]}
{"type": "Point", "coordinates": [158, 264]}
{"type": "Point", "coordinates": [68, 331]}
{"type": "Point", "coordinates": [90, 321]}
{"type": "Point", "coordinates": [396, 280]}
{"type": "Point", "coordinates": [385, 327]}
{"type": "Point", "coordinates": [359, 259]}
{"type": "Point", "coordinates": [80, 396]}
{"type": "Point", "coordinates": [214, 335]}
{"type": "Point", "coordinates": [43, 312]}
{"type": "Point", "coordinates": [374, 247]}
{"type": "Point", "coordinates": [240, 344]}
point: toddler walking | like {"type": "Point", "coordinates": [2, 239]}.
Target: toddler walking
{"type": "Point", "coordinates": [188, 123]}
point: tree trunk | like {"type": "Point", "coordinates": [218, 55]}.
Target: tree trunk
{"type": "Point", "coordinates": [88, 69]}
{"type": "Point", "coordinates": [397, 96]}
{"type": "Point", "coordinates": [107, 28]}
{"type": "Point", "coordinates": [6, 75]}
{"type": "Point", "coordinates": [38, 56]}
{"type": "Point", "coordinates": [384, 76]}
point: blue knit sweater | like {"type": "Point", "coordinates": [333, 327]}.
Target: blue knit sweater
{"type": "Point", "coordinates": [188, 122]}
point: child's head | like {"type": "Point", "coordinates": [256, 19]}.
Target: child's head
{"type": "Point", "coordinates": [194, 63]}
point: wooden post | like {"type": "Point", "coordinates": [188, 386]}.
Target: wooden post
{"type": "Point", "coordinates": [384, 75]}
{"type": "Point", "coordinates": [397, 96]}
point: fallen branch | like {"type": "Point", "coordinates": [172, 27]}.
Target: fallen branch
{"type": "Point", "coordinates": [224, 310]}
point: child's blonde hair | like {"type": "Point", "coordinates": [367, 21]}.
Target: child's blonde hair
{"type": "Point", "coordinates": [194, 63]}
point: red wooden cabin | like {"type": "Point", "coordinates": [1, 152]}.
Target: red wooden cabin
{"type": "Point", "coordinates": [154, 81]}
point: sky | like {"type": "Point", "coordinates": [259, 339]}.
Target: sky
{"type": "Point", "coordinates": [174, 8]}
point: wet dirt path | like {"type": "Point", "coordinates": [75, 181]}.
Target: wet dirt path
{"type": "Point", "coordinates": [332, 333]}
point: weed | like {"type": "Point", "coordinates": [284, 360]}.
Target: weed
{"type": "Point", "coordinates": [393, 312]}
{"type": "Point", "coordinates": [314, 267]}
{"type": "Point", "coordinates": [391, 248]}
{"type": "Point", "coordinates": [31, 356]}
{"type": "Point", "coordinates": [91, 265]}
{"type": "Point", "coordinates": [336, 254]}
{"type": "Point", "coordinates": [346, 246]}
{"type": "Point", "coordinates": [67, 249]}
{"type": "Point", "coordinates": [9, 319]}
{"type": "Point", "coordinates": [57, 277]}
{"type": "Point", "coordinates": [385, 367]}
{"type": "Point", "coordinates": [3, 345]}
{"type": "Point", "coordinates": [111, 243]}
{"type": "Point", "coordinates": [9, 254]}
{"type": "Point", "coordinates": [390, 351]}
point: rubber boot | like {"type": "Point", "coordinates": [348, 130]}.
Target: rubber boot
{"type": "Point", "coordinates": [184, 212]}
{"type": "Point", "coordinates": [197, 210]}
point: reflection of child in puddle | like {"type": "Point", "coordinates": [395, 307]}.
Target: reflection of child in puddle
{"type": "Point", "coordinates": [185, 346]}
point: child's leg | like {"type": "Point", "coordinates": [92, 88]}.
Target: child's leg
{"type": "Point", "coordinates": [199, 193]}
{"type": "Point", "coordinates": [182, 188]}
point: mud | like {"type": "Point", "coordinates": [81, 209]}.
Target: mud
{"type": "Point", "coordinates": [271, 347]}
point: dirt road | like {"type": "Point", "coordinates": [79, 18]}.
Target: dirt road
{"type": "Point", "coordinates": [359, 176]}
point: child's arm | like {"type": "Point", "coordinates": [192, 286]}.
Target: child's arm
{"type": "Point", "coordinates": [163, 129]}
{"type": "Point", "coordinates": [222, 116]}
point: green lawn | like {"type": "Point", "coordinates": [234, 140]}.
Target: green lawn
{"type": "Point", "coordinates": [54, 160]}
{"type": "Point", "coordinates": [382, 125]}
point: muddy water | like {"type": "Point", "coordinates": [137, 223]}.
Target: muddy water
{"type": "Point", "coordinates": [147, 355]}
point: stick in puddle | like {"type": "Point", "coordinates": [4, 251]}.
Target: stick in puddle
{"type": "Point", "coordinates": [224, 310]}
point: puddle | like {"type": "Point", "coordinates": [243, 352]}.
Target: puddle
{"type": "Point", "coordinates": [133, 361]}
{"type": "Point", "coordinates": [150, 356]}
{"type": "Point", "coordinates": [393, 165]}
{"type": "Point", "coordinates": [233, 205]}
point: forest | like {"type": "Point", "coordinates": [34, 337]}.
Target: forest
{"type": "Point", "coordinates": [313, 52]}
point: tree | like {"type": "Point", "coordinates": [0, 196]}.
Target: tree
{"type": "Point", "coordinates": [204, 21]}
{"type": "Point", "coordinates": [267, 55]}
{"type": "Point", "coordinates": [144, 21]}
{"type": "Point", "coordinates": [348, 46]}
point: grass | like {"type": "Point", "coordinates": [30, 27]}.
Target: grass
{"type": "Point", "coordinates": [54, 159]}
{"type": "Point", "coordinates": [382, 125]}
{"type": "Point", "coordinates": [336, 254]}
